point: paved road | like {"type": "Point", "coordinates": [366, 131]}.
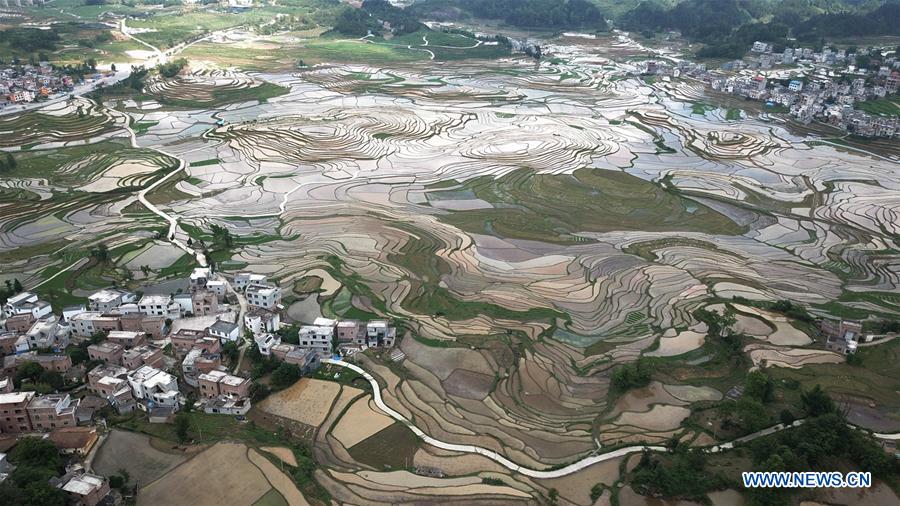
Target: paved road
{"type": "Point", "coordinates": [569, 469]}
{"type": "Point", "coordinates": [555, 473]}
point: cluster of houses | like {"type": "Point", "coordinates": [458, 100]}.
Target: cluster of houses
{"type": "Point", "coordinates": [843, 336]}
{"type": "Point", "coordinates": [136, 340]}
{"type": "Point", "coordinates": [145, 352]}
{"type": "Point", "coordinates": [821, 86]}
{"type": "Point", "coordinates": [325, 338]}
{"type": "Point", "coordinates": [26, 83]}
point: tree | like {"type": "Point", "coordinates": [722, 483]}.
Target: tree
{"type": "Point", "coordinates": [182, 424]}
{"type": "Point", "coordinates": [17, 286]}
{"type": "Point", "coordinates": [786, 417]}
{"type": "Point", "coordinates": [36, 452]}
{"type": "Point", "coordinates": [752, 414]}
{"type": "Point", "coordinates": [52, 378]}
{"type": "Point", "coordinates": [10, 162]}
{"type": "Point", "coordinates": [285, 375]}
{"type": "Point", "coordinates": [101, 253]}
{"type": "Point", "coordinates": [759, 386]}
{"type": "Point", "coordinates": [816, 402]}
{"type": "Point", "coordinates": [633, 375]}
{"type": "Point", "coordinates": [258, 391]}
{"type": "Point", "coordinates": [30, 371]}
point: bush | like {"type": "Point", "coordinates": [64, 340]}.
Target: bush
{"type": "Point", "coordinates": [634, 375]}
{"type": "Point", "coordinates": [285, 375]}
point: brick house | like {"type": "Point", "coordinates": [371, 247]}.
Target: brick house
{"type": "Point", "coordinates": [51, 411]}
{"type": "Point", "coordinates": [14, 412]}
{"type": "Point", "coordinates": [108, 353]}
{"type": "Point", "coordinates": [126, 338]}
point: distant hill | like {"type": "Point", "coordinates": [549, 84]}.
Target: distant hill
{"type": "Point", "coordinates": [543, 14]}
{"type": "Point", "coordinates": [728, 27]}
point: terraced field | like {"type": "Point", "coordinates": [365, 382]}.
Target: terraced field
{"type": "Point", "coordinates": [532, 227]}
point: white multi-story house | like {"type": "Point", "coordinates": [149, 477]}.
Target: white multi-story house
{"type": "Point", "coordinates": [243, 280]}
{"type": "Point", "coordinates": [26, 303]}
{"type": "Point", "coordinates": [152, 385]}
{"type": "Point", "coordinates": [265, 297]}
{"type": "Point", "coordinates": [379, 333]}
{"type": "Point", "coordinates": [265, 343]}
{"type": "Point", "coordinates": [157, 305]}
{"type": "Point", "coordinates": [48, 333]}
{"type": "Point", "coordinates": [261, 321]}
{"type": "Point", "coordinates": [108, 299]}
{"type": "Point", "coordinates": [225, 331]}
{"type": "Point", "coordinates": [317, 338]}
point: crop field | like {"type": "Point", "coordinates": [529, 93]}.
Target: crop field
{"type": "Point", "coordinates": [135, 453]}
{"type": "Point", "coordinates": [534, 226]}
{"type": "Point", "coordinates": [237, 479]}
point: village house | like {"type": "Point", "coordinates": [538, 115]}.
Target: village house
{"type": "Point", "coordinates": [379, 333]}
{"type": "Point", "coordinates": [84, 489]}
{"type": "Point", "coordinates": [12, 343]}
{"type": "Point", "coordinates": [154, 387]}
{"type": "Point", "coordinates": [158, 305]}
{"type": "Point", "coordinates": [199, 277]}
{"type": "Point", "coordinates": [242, 280]}
{"type": "Point", "coordinates": [196, 362]}
{"type": "Point", "coordinates": [215, 383]}
{"type": "Point", "coordinates": [111, 383]}
{"type": "Point", "coordinates": [51, 411]}
{"type": "Point", "coordinates": [14, 412]}
{"type": "Point", "coordinates": [108, 299]}
{"type": "Point", "coordinates": [107, 352]}
{"type": "Point", "coordinates": [261, 321]}
{"type": "Point", "coordinates": [20, 323]}
{"type": "Point", "coordinates": [319, 336]}
{"type": "Point", "coordinates": [142, 355]}
{"type": "Point", "coordinates": [268, 297]}
{"type": "Point", "coordinates": [53, 362]}
{"type": "Point", "coordinates": [204, 303]}
{"type": "Point", "coordinates": [26, 303]}
{"type": "Point", "coordinates": [126, 338]}
{"type": "Point", "coordinates": [153, 326]}
{"type": "Point", "coordinates": [225, 331]}
{"type": "Point", "coordinates": [265, 343]}
{"type": "Point", "coordinates": [91, 322]}
{"type": "Point", "coordinates": [74, 440]}
{"type": "Point", "coordinates": [48, 334]}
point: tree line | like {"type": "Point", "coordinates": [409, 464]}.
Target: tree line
{"type": "Point", "coordinates": [551, 14]}
{"type": "Point", "coordinates": [727, 28]}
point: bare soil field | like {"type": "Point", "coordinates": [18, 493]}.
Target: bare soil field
{"type": "Point", "coordinates": [307, 401]}
{"type": "Point", "coordinates": [359, 422]}
{"type": "Point", "coordinates": [278, 479]}
{"type": "Point", "coordinates": [283, 454]}
{"type": "Point", "coordinates": [134, 453]}
{"type": "Point", "coordinates": [223, 474]}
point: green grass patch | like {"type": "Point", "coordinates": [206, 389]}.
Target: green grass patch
{"type": "Point", "coordinates": [391, 448]}
{"type": "Point", "coordinates": [551, 208]}
{"type": "Point", "coordinates": [888, 106]}
{"type": "Point", "coordinates": [203, 163]}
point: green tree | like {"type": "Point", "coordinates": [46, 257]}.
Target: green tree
{"type": "Point", "coordinates": [182, 425]}
{"type": "Point", "coordinates": [759, 386]}
{"type": "Point", "coordinates": [816, 402]}
{"type": "Point", "coordinates": [285, 375]}
{"type": "Point", "coordinates": [29, 371]}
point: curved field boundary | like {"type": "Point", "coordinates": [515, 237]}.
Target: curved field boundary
{"type": "Point", "coordinates": [533, 473]}
{"type": "Point", "coordinates": [571, 468]}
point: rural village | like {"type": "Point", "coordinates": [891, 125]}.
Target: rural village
{"type": "Point", "coordinates": [835, 86]}
{"type": "Point", "coordinates": [153, 356]}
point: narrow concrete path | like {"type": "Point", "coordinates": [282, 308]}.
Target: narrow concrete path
{"type": "Point", "coordinates": [571, 468]}
{"type": "Point", "coordinates": [500, 459]}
